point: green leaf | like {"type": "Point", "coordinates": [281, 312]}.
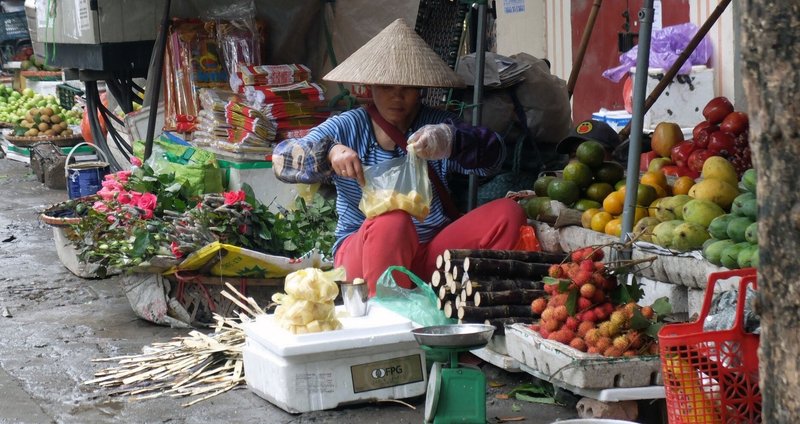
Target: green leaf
{"type": "Point", "coordinates": [662, 306]}
{"type": "Point", "coordinates": [572, 302]}
{"type": "Point", "coordinates": [638, 321]}
{"type": "Point", "coordinates": [515, 407]}
{"type": "Point", "coordinates": [140, 244]}
{"type": "Point", "coordinates": [174, 188]}
{"type": "Point", "coordinates": [535, 399]}
{"type": "Point", "coordinates": [653, 329]}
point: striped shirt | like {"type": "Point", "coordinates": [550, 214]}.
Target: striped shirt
{"type": "Point", "coordinates": [476, 151]}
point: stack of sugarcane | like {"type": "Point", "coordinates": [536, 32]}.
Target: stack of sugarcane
{"type": "Point", "coordinates": [198, 365]}
{"type": "Point", "coordinates": [490, 286]}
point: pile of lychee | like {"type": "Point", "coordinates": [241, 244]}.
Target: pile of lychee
{"type": "Point", "coordinates": [579, 312]}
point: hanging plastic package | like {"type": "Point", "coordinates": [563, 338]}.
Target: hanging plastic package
{"type": "Point", "coordinates": [397, 184]}
{"type": "Point", "coordinates": [665, 47]}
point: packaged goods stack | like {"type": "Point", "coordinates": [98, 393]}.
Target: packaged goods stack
{"type": "Point", "coordinates": [228, 124]}
{"type": "Point", "coordinates": [285, 95]}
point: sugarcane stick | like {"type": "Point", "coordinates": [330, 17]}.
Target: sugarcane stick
{"type": "Point", "coordinates": [450, 264]}
{"type": "Point", "coordinates": [455, 287]}
{"type": "Point", "coordinates": [508, 297]}
{"type": "Point", "coordinates": [436, 278]}
{"type": "Point", "coordinates": [504, 267]}
{"type": "Point", "coordinates": [517, 255]}
{"type": "Point", "coordinates": [440, 304]}
{"type": "Point", "coordinates": [449, 309]}
{"type": "Point", "coordinates": [500, 323]}
{"type": "Point", "coordinates": [501, 285]}
{"type": "Point", "coordinates": [480, 314]}
{"type": "Point", "coordinates": [464, 296]}
{"type": "Point", "coordinates": [455, 272]}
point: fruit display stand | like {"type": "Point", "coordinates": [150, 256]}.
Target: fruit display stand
{"type": "Point", "coordinates": [592, 376]}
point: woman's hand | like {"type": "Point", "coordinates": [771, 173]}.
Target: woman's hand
{"type": "Point", "coordinates": [432, 142]}
{"type": "Point", "coordinates": [346, 163]}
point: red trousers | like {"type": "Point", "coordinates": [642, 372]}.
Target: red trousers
{"type": "Point", "coordinates": [391, 239]}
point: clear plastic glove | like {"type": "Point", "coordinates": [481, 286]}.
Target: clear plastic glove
{"type": "Point", "coordinates": [432, 142]}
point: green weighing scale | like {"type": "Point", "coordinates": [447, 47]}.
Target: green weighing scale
{"type": "Point", "coordinates": [456, 392]}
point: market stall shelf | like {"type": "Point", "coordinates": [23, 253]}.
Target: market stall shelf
{"type": "Point", "coordinates": [570, 368]}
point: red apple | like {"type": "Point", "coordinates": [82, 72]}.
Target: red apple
{"type": "Point", "coordinates": [680, 153]}
{"type": "Point", "coordinates": [679, 171]}
{"type": "Point", "coordinates": [722, 143]}
{"type": "Point", "coordinates": [717, 109]}
{"type": "Point", "coordinates": [735, 123]}
{"type": "Point", "coordinates": [698, 158]}
{"type": "Point", "coordinates": [645, 159]}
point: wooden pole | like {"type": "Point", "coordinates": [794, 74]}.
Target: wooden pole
{"type": "Point", "coordinates": [587, 34]}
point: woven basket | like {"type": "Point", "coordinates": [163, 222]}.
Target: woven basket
{"type": "Point", "coordinates": [51, 216]}
{"type": "Point", "coordinates": [59, 141]}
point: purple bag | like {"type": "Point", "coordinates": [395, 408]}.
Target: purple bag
{"type": "Point", "coordinates": [665, 47]}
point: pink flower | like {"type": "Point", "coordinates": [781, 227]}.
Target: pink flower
{"type": "Point", "coordinates": [176, 250]}
{"type": "Point", "coordinates": [106, 194]}
{"type": "Point", "coordinates": [136, 161]}
{"type": "Point", "coordinates": [112, 185]}
{"type": "Point", "coordinates": [232, 197]}
{"type": "Point", "coordinates": [135, 197]}
{"type": "Point", "coordinates": [123, 176]}
{"type": "Point", "coordinates": [148, 201]}
{"type": "Point", "coordinates": [111, 218]}
{"type": "Point", "coordinates": [148, 214]}
{"type": "Point", "coordinates": [100, 207]}
{"type": "Point", "coordinates": [125, 198]}
{"type": "Point", "coordinates": [110, 177]}
{"type": "Point", "coordinates": [242, 229]}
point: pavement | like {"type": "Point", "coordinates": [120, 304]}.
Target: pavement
{"type": "Point", "coordinates": [59, 323]}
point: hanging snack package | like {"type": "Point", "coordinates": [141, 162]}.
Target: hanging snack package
{"type": "Point", "coordinates": [397, 184]}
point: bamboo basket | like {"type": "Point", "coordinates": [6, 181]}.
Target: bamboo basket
{"type": "Point", "coordinates": [59, 141]}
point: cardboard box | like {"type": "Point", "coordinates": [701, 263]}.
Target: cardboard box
{"type": "Point", "coordinates": [374, 357]}
{"type": "Point", "coordinates": [96, 21]}
{"type": "Point", "coordinates": [258, 175]}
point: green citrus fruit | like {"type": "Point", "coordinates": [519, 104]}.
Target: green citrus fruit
{"type": "Point", "coordinates": [578, 172]}
{"type": "Point", "coordinates": [584, 204]}
{"type": "Point", "coordinates": [591, 153]}
{"type": "Point", "coordinates": [541, 183]}
{"type": "Point", "coordinates": [599, 191]}
{"type": "Point", "coordinates": [609, 172]}
{"type": "Point", "coordinates": [564, 191]}
{"type": "Point", "coordinates": [645, 195]}
{"type": "Point", "coordinates": [536, 206]}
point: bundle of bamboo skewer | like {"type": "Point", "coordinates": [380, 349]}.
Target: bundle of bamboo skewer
{"type": "Point", "coordinates": [197, 365]}
{"type": "Point", "coordinates": [495, 287]}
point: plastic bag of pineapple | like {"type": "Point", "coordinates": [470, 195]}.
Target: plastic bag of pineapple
{"type": "Point", "coordinates": [401, 183]}
{"type": "Point", "coordinates": [307, 306]}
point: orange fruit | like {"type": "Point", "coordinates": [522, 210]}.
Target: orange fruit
{"type": "Point", "coordinates": [614, 202]}
{"type": "Point", "coordinates": [614, 227]}
{"type": "Point", "coordinates": [641, 212]}
{"type": "Point", "coordinates": [654, 178]}
{"type": "Point", "coordinates": [587, 215]}
{"type": "Point", "coordinates": [682, 185]}
{"type": "Point", "coordinates": [662, 191]}
{"type": "Point", "coordinates": [600, 220]}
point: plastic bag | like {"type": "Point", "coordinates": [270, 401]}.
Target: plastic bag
{"type": "Point", "coordinates": [397, 184]}
{"type": "Point", "coordinates": [418, 304]}
{"type": "Point", "coordinates": [196, 168]}
{"type": "Point", "coordinates": [665, 47]}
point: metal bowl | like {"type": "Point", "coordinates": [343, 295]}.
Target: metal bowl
{"type": "Point", "coordinates": [455, 336]}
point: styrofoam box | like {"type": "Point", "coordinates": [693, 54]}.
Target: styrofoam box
{"type": "Point", "coordinates": [684, 98]}
{"type": "Point", "coordinates": [371, 358]}
{"type": "Point", "coordinates": [561, 363]}
{"type": "Point", "coordinates": [260, 176]}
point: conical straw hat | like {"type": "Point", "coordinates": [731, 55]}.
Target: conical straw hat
{"type": "Point", "coordinates": [396, 56]}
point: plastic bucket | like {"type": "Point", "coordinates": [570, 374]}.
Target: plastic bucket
{"type": "Point", "coordinates": [85, 178]}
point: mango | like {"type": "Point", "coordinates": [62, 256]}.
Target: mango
{"type": "Point", "coordinates": [701, 212]}
{"type": "Point", "coordinates": [751, 233]}
{"type": "Point", "coordinates": [719, 168]}
{"type": "Point", "coordinates": [663, 232]}
{"type": "Point", "coordinates": [689, 236]}
{"type": "Point", "coordinates": [744, 258]}
{"type": "Point", "coordinates": [715, 190]}
{"type": "Point", "coordinates": [749, 180]}
{"type": "Point", "coordinates": [730, 255]}
{"type": "Point", "coordinates": [713, 252]}
{"type": "Point", "coordinates": [643, 230]}
{"type": "Point", "coordinates": [737, 227]}
{"type": "Point", "coordinates": [670, 208]}
{"type": "Point", "coordinates": [745, 205]}
{"type": "Point", "coordinates": [718, 227]}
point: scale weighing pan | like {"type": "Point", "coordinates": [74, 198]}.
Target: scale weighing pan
{"type": "Point", "coordinates": [454, 336]}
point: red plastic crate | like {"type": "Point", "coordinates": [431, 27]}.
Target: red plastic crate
{"type": "Point", "coordinates": [712, 376]}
